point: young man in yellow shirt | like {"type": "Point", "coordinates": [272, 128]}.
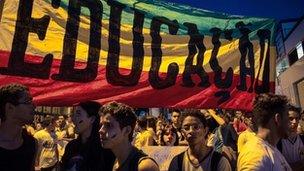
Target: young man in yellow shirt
{"type": "Point", "coordinates": [271, 120]}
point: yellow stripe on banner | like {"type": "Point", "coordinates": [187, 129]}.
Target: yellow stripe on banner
{"type": "Point", "coordinates": [174, 47]}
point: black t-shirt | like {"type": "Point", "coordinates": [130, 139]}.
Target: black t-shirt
{"type": "Point", "coordinates": [179, 135]}
{"type": "Point", "coordinates": [22, 158]}
{"type": "Point", "coordinates": [229, 136]}
{"type": "Point", "coordinates": [133, 160]}
{"type": "Point", "coordinates": [87, 157]}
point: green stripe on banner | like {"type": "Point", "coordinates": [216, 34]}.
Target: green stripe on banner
{"type": "Point", "coordinates": [205, 20]}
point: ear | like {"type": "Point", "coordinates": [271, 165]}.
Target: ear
{"type": "Point", "coordinates": [277, 119]}
{"type": "Point", "coordinates": [92, 119]}
{"type": "Point", "coordinates": [206, 131]}
{"type": "Point", "coordinates": [8, 107]}
{"type": "Point", "coordinates": [183, 133]}
{"type": "Point", "coordinates": [127, 130]}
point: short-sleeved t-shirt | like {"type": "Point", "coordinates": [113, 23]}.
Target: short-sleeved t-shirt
{"type": "Point", "coordinates": [259, 155]}
{"type": "Point", "coordinates": [22, 158]}
{"type": "Point", "coordinates": [244, 137]}
{"type": "Point", "coordinates": [205, 165]}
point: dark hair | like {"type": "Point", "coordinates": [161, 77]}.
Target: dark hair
{"type": "Point", "coordinates": [142, 122]}
{"type": "Point", "coordinates": [92, 109]}
{"type": "Point", "coordinates": [151, 122]}
{"type": "Point", "coordinates": [194, 113]}
{"type": "Point", "coordinates": [48, 120]}
{"type": "Point", "coordinates": [92, 151]}
{"type": "Point", "coordinates": [122, 113]}
{"type": "Point", "coordinates": [166, 130]}
{"type": "Point", "coordinates": [176, 110]}
{"type": "Point", "coordinates": [10, 93]}
{"type": "Point", "coordinates": [294, 108]}
{"type": "Point", "coordinates": [265, 106]}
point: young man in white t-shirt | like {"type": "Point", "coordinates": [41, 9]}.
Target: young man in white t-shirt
{"type": "Point", "coordinates": [271, 120]}
{"type": "Point", "coordinates": [198, 157]}
{"type": "Point", "coordinates": [292, 147]}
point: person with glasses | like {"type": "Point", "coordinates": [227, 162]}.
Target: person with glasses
{"type": "Point", "coordinates": [17, 147]}
{"type": "Point", "coordinates": [198, 156]}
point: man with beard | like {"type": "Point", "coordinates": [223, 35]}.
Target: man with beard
{"type": "Point", "coordinates": [198, 156]}
{"type": "Point", "coordinates": [17, 147]}
{"type": "Point", "coordinates": [117, 122]}
{"type": "Point", "coordinates": [292, 147]}
{"type": "Point", "coordinates": [271, 120]}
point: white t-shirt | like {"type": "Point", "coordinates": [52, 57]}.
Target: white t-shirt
{"type": "Point", "coordinates": [205, 165]}
{"type": "Point", "coordinates": [293, 150]}
{"type": "Point", "coordinates": [259, 155]}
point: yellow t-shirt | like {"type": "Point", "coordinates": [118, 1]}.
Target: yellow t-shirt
{"type": "Point", "coordinates": [244, 137]}
{"type": "Point", "coordinates": [47, 148]}
{"type": "Point", "coordinates": [258, 155]}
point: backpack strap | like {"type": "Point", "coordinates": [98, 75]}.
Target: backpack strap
{"type": "Point", "coordinates": [302, 138]}
{"type": "Point", "coordinates": [215, 159]}
{"type": "Point", "coordinates": [147, 157]}
{"type": "Point", "coordinates": [137, 157]}
{"type": "Point", "coordinates": [280, 146]}
{"type": "Point", "coordinates": [180, 159]}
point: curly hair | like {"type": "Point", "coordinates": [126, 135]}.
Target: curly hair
{"type": "Point", "coordinates": [10, 93]}
{"type": "Point", "coordinates": [265, 106]}
{"type": "Point", "coordinates": [294, 108]}
{"type": "Point", "coordinates": [122, 113]}
{"type": "Point", "coordinates": [194, 113]}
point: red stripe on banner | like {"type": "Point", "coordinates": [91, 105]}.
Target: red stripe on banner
{"type": "Point", "coordinates": [49, 92]}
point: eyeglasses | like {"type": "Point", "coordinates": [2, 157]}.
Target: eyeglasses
{"type": "Point", "coordinates": [194, 127]}
{"type": "Point", "coordinates": [29, 101]}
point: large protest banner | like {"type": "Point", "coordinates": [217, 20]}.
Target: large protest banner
{"type": "Point", "coordinates": [143, 53]}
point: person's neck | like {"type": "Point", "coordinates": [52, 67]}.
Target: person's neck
{"type": "Point", "coordinates": [268, 135]}
{"type": "Point", "coordinates": [249, 128]}
{"type": "Point", "coordinates": [49, 129]}
{"type": "Point", "coordinates": [10, 135]}
{"type": "Point", "coordinates": [122, 151]}
{"type": "Point", "coordinates": [175, 125]}
{"type": "Point", "coordinates": [292, 135]}
{"type": "Point", "coordinates": [86, 134]}
{"type": "Point", "coordinates": [199, 151]}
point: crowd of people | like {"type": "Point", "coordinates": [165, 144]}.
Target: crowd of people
{"type": "Point", "coordinates": [110, 136]}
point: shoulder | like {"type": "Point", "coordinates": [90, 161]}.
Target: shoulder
{"type": "Point", "coordinates": [29, 140]}
{"type": "Point", "coordinates": [224, 164]}
{"type": "Point", "coordinates": [40, 134]}
{"type": "Point", "coordinates": [253, 158]}
{"type": "Point", "coordinates": [147, 164]}
{"type": "Point", "coordinates": [176, 162]}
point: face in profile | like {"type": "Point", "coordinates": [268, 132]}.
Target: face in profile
{"type": "Point", "coordinates": [24, 109]}
{"type": "Point", "coordinates": [110, 132]}
{"type": "Point", "coordinates": [193, 130]}
{"type": "Point", "coordinates": [81, 120]}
